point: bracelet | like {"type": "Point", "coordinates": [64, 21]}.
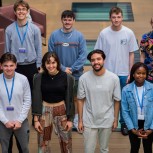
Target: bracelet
{"type": "Point", "coordinates": [36, 121]}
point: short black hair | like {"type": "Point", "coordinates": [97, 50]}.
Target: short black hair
{"type": "Point", "coordinates": [98, 51]}
{"type": "Point", "coordinates": [68, 13]}
{"type": "Point", "coordinates": [8, 57]}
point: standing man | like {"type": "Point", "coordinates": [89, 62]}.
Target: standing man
{"type": "Point", "coordinates": [23, 39]}
{"type": "Point", "coordinates": [15, 103]}
{"type": "Point", "coordinates": [118, 43]}
{"type": "Point", "coordinates": [70, 46]}
{"type": "Point", "coordinates": [98, 103]}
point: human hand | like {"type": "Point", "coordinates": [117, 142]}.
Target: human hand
{"type": "Point", "coordinates": [115, 124]}
{"type": "Point", "coordinates": [17, 125]}
{"type": "Point", "coordinates": [9, 125]}
{"type": "Point", "coordinates": [148, 132]}
{"type": "Point", "coordinates": [68, 125]}
{"type": "Point", "coordinates": [38, 127]}
{"type": "Point", "coordinates": [68, 70]}
{"type": "Point", "coordinates": [80, 126]}
{"type": "Point", "coordinates": [140, 133]}
{"type": "Point", "coordinates": [128, 79]}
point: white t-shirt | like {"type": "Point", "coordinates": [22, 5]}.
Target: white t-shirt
{"type": "Point", "coordinates": [117, 45]}
{"type": "Point", "coordinates": [21, 99]}
{"type": "Point", "coordinates": [99, 93]}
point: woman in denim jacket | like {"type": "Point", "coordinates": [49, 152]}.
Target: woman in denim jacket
{"type": "Point", "coordinates": [137, 108]}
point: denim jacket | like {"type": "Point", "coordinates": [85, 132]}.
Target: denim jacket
{"type": "Point", "coordinates": [129, 106]}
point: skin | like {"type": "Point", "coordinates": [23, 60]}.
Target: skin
{"type": "Point", "coordinates": [51, 66]}
{"type": "Point", "coordinates": [116, 20]}
{"type": "Point", "coordinates": [67, 24]}
{"type": "Point", "coordinates": [8, 68]}
{"type": "Point", "coordinates": [97, 63]}
{"type": "Point", "coordinates": [21, 14]}
{"type": "Point", "coordinates": [140, 76]}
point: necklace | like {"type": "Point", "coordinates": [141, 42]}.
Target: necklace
{"type": "Point", "coordinates": [53, 75]}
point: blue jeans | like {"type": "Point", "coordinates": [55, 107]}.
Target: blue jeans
{"type": "Point", "coordinates": [122, 84]}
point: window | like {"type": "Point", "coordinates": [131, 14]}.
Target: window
{"type": "Point", "coordinates": [90, 47]}
{"type": "Point", "coordinates": [100, 11]}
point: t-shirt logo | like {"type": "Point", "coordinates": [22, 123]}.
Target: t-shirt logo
{"type": "Point", "coordinates": [123, 41]}
{"type": "Point", "coordinates": [65, 44]}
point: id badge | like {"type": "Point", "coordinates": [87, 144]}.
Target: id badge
{"type": "Point", "coordinates": [22, 50]}
{"type": "Point", "coordinates": [10, 108]}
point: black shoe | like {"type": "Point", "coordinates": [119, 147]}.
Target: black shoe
{"type": "Point", "coordinates": [124, 129]}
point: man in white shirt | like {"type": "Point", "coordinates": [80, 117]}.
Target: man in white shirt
{"type": "Point", "coordinates": [15, 103]}
{"type": "Point", "coordinates": [118, 43]}
{"type": "Point", "coordinates": [98, 103]}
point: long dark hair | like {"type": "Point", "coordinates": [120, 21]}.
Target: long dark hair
{"type": "Point", "coordinates": [46, 58]}
{"type": "Point", "coordinates": [135, 67]}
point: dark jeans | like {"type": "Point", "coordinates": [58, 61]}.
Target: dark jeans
{"type": "Point", "coordinates": [11, 145]}
{"type": "Point", "coordinates": [122, 84]}
{"type": "Point", "coordinates": [29, 71]}
{"type": "Point", "coordinates": [135, 141]}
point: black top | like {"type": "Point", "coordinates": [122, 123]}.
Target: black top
{"type": "Point", "coordinates": [54, 87]}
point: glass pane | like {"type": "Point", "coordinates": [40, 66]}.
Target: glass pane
{"type": "Point", "coordinates": [100, 11]}
{"type": "Point", "coordinates": [90, 47]}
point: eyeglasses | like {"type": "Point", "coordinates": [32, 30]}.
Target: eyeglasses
{"type": "Point", "coordinates": [21, 9]}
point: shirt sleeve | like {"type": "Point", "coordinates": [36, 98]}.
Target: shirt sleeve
{"type": "Point", "coordinates": [26, 102]}
{"type": "Point", "coordinates": [38, 46]}
{"type": "Point", "coordinates": [79, 63]}
{"type": "Point", "coordinates": [81, 89]}
{"type": "Point", "coordinates": [7, 41]}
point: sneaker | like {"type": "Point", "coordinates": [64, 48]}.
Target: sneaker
{"type": "Point", "coordinates": [124, 129]}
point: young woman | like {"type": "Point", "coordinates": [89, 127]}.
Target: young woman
{"type": "Point", "coordinates": [137, 108]}
{"type": "Point", "coordinates": [52, 103]}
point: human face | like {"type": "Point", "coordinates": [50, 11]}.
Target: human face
{"type": "Point", "coordinates": [21, 13]}
{"type": "Point", "coordinates": [97, 62]}
{"type": "Point", "coordinates": [51, 66]}
{"type": "Point", "coordinates": [140, 76]}
{"type": "Point", "coordinates": [67, 23]}
{"type": "Point", "coordinates": [116, 20]}
{"type": "Point", "coordinates": [8, 68]}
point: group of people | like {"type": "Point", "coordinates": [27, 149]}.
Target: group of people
{"type": "Point", "coordinates": [61, 95]}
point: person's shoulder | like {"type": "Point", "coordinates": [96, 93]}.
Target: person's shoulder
{"type": "Point", "coordinates": [20, 76]}
{"type": "Point", "coordinates": [86, 74]}
{"type": "Point", "coordinates": [10, 27]}
{"type": "Point", "coordinates": [55, 32]}
{"type": "Point", "coordinates": [105, 30]}
{"type": "Point", "coordinates": [126, 29]}
{"type": "Point", "coordinates": [111, 74]}
{"type": "Point", "coordinates": [33, 26]}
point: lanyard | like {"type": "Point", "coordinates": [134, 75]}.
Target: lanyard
{"type": "Point", "coordinates": [140, 103]}
{"type": "Point", "coordinates": [9, 95]}
{"type": "Point", "coordinates": [24, 35]}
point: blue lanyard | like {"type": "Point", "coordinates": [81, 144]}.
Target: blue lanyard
{"type": "Point", "coordinates": [9, 95]}
{"type": "Point", "coordinates": [140, 103]}
{"type": "Point", "coordinates": [17, 28]}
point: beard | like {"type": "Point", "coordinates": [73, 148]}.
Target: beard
{"type": "Point", "coordinates": [97, 69]}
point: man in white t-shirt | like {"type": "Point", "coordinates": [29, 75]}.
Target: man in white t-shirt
{"type": "Point", "coordinates": [118, 43]}
{"type": "Point", "coordinates": [98, 103]}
